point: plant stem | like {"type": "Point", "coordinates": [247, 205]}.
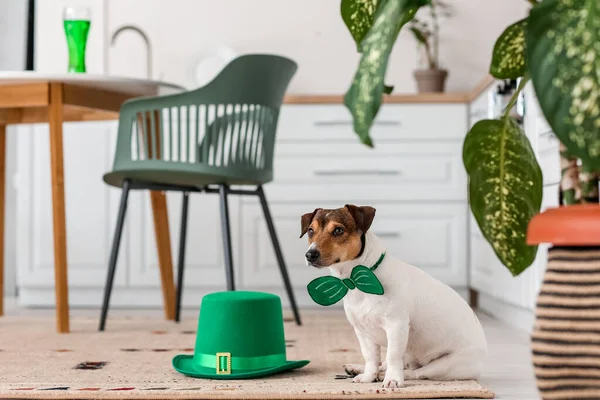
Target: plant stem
{"type": "Point", "coordinates": [515, 96]}
{"type": "Point", "coordinates": [589, 185]}
{"type": "Point", "coordinates": [570, 185]}
{"type": "Point", "coordinates": [436, 34]}
{"type": "Point", "coordinates": [430, 60]}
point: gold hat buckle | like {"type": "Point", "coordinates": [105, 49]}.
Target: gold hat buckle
{"type": "Point", "coordinates": [225, 367]}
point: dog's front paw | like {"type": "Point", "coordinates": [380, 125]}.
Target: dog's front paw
{"type": "Point", "coordinates": [393, 380]}
{"type": "Point", "coordinates": [365, 378]}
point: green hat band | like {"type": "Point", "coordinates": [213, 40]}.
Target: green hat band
{"type": "Point", "coordinates": [224, 363]}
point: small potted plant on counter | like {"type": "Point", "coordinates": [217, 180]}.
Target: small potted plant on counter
{"type": "Point", "coordinates": [554, 47]}
{"type": "Point", "coordinates": [427, 34]}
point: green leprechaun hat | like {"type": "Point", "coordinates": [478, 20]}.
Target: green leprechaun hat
{"type": "Point", "coordinates": [240, 335]}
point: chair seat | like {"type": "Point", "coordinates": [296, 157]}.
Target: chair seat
{"type": "Point", "coordinates": [207, 176]}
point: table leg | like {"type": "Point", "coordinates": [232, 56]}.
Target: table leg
{"type": "Point", "coordinates": [2, 193]}
{"type": "Point", "coordinates": [163, 248]}
{"type": "Point", "coordinates": [55, 118]}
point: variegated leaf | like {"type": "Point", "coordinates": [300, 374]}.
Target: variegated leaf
{"type": "Point", "coordinates": [363, 99]}
{"type": "Point", "coordinates": [508, 58]}
{"type": "Point", "coordinates": [358, 17]}
{"type": "Point", "coordinates": [563, 56]}
{"type": "Point", "coordinates": [505, 188]}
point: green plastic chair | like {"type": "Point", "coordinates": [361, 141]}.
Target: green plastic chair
{"type": "Point", "coordinates": [204, 140]}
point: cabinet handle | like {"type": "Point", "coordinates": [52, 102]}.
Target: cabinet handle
{"type": "Point", "coordinates": [350, 123]}
{"type": "Point", "coordinates": [356, 172]}
{"type": "Point", "coordinates": [387, 234]}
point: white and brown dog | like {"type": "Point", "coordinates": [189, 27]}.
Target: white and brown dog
{"type": "Point", "coordinates": [429, 330]}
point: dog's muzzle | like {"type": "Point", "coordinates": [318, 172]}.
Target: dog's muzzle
{"type": "Point", "coordinates": [312, 255]}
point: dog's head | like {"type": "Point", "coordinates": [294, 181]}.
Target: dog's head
{"type": "Point", "coordinates": [335, 235]}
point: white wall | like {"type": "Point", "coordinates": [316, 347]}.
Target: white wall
{"type": "Point", "coordinates": [13, 34]}
{"type": "Point", "coordinates": [309, 31]}
{"type": "Point", "coordinates": [13, 29]}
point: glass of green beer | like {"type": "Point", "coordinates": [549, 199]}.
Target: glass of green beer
{"type": "Point", "coordinates": [76, 21]}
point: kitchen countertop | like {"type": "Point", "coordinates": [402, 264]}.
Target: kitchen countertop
{"type": "Point", "coordinates": [126, 84]}
{"type": "Point", "coordinates": [432, 98]}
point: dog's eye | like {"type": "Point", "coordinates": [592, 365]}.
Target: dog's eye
{"type": "Point", "coordinates": [338, 231]}
{"type": "Point", "coordinates": [310, 231]}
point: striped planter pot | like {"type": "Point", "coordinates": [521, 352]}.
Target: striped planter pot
{"type": "Point", "coordinates": [566, 336]}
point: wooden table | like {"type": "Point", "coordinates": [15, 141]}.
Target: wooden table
{"type": "Point", "coordinates": [31, 97]}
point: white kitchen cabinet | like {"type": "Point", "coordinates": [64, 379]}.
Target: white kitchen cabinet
{"type": "Point", "coordinates": [421, 208]}
{"type": "Point", "coordinates": [428, 236]}
{"type": "Point", "coordinates": [89, 204]}
{"type": "Point", "coordinates": [91, 216]}
{"type": "Point", "coordinates": [413, 176]}
{"type": "Point", "coordinates": [402, 170]}
{"type": "Point", "coordinates": [332, 123]}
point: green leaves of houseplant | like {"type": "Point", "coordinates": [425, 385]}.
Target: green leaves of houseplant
{"type": "Point", "coordinates": [358, 17]}
{"type": "Point", "coordinates": [363, 99]}
{"type": "Point", "coordinates": [505, 180]}
{"type": "Point", "coordinates": [508, 58]}
{"type": "Point", "coordinates": [505, 188]}
{"type": "Point", "coordinates": [563, 57]}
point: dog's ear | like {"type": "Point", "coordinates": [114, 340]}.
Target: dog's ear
{"type": "Point", "coordinates": [363, 216]}
{"type": "Point", "coordinates": [306, 220]}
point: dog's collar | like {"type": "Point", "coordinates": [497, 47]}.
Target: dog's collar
{"type": "Point", "coordinates": [378, 263]}
{"type": "Point", "coordinates": [328, 290]}
{"type": "Point", "coordinates": [363, 243]}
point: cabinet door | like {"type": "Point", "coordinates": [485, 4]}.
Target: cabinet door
{"type": "Point", "coordinates": [431, 237]}
{"type": "Point", "coordinates": [91, 206]}
{"type": "Point", "coordinates": [204, 262]}
{"type": "Point", "coordinates": [410, 171]}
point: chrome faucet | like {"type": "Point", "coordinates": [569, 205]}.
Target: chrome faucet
{"type": "Point", "coordinates": [146, 39]}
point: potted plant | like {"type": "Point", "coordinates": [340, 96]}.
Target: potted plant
{"type": "Point", "coordinates": [427, 34]}
{"type": "Point", "coordinates": [555, 48]}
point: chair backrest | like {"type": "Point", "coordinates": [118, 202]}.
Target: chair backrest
{"type": "Point", "coordinates": [242, 127]}
{"type": "Point", "coordinates": [230, 123]}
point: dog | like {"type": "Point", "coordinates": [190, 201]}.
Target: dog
{"type": "Point", "coordinates": [429, 330]}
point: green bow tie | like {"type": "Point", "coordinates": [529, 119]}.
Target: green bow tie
{"type": "Point", "coordinates": [328, 290]}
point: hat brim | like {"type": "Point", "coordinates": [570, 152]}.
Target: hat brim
{"type": "Point", "coordinates": [185, 365]}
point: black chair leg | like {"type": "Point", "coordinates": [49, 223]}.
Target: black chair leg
{"type": "Point", "coordinates": [112, 265]}
{"type": "Point", "coordinates": [226, 232]}
{"type": "Point", "coordinates": [181, 261]}
{"type": "Point", "coordinates": [279, 254]}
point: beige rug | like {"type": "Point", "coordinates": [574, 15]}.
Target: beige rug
{"type": "Point", "coordinates": [37, 363]}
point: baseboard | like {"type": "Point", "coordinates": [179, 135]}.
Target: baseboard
{"type": "Point", "coordinates": [152, 297]}
{"type": "Point", "coordinates": [144, 298]}
{"type": "Point", "coordinates": [518, 317]}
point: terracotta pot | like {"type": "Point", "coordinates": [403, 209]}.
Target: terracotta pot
{"type": "Point", "coordinates": [431, 80]}
{"type": "Point", "coordinates": [565, 342]}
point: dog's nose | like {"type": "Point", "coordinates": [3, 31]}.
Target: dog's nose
{"type": "Point", "coordinates": [312, 255]}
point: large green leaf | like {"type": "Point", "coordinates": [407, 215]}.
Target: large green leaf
{"type": "Point", "coordinates": [358, 17]}
{"type": "Point", "coordinates": [508, 58]}
{"type": "Point", "coordinates": [563, 56]}
{"type": "Point", "coordinates": [505, 188]}
{"type": "Point", "coordinates": [363, 99]}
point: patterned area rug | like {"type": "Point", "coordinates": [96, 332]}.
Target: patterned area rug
{"type": "Point", "coordinates": [132, 360]}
